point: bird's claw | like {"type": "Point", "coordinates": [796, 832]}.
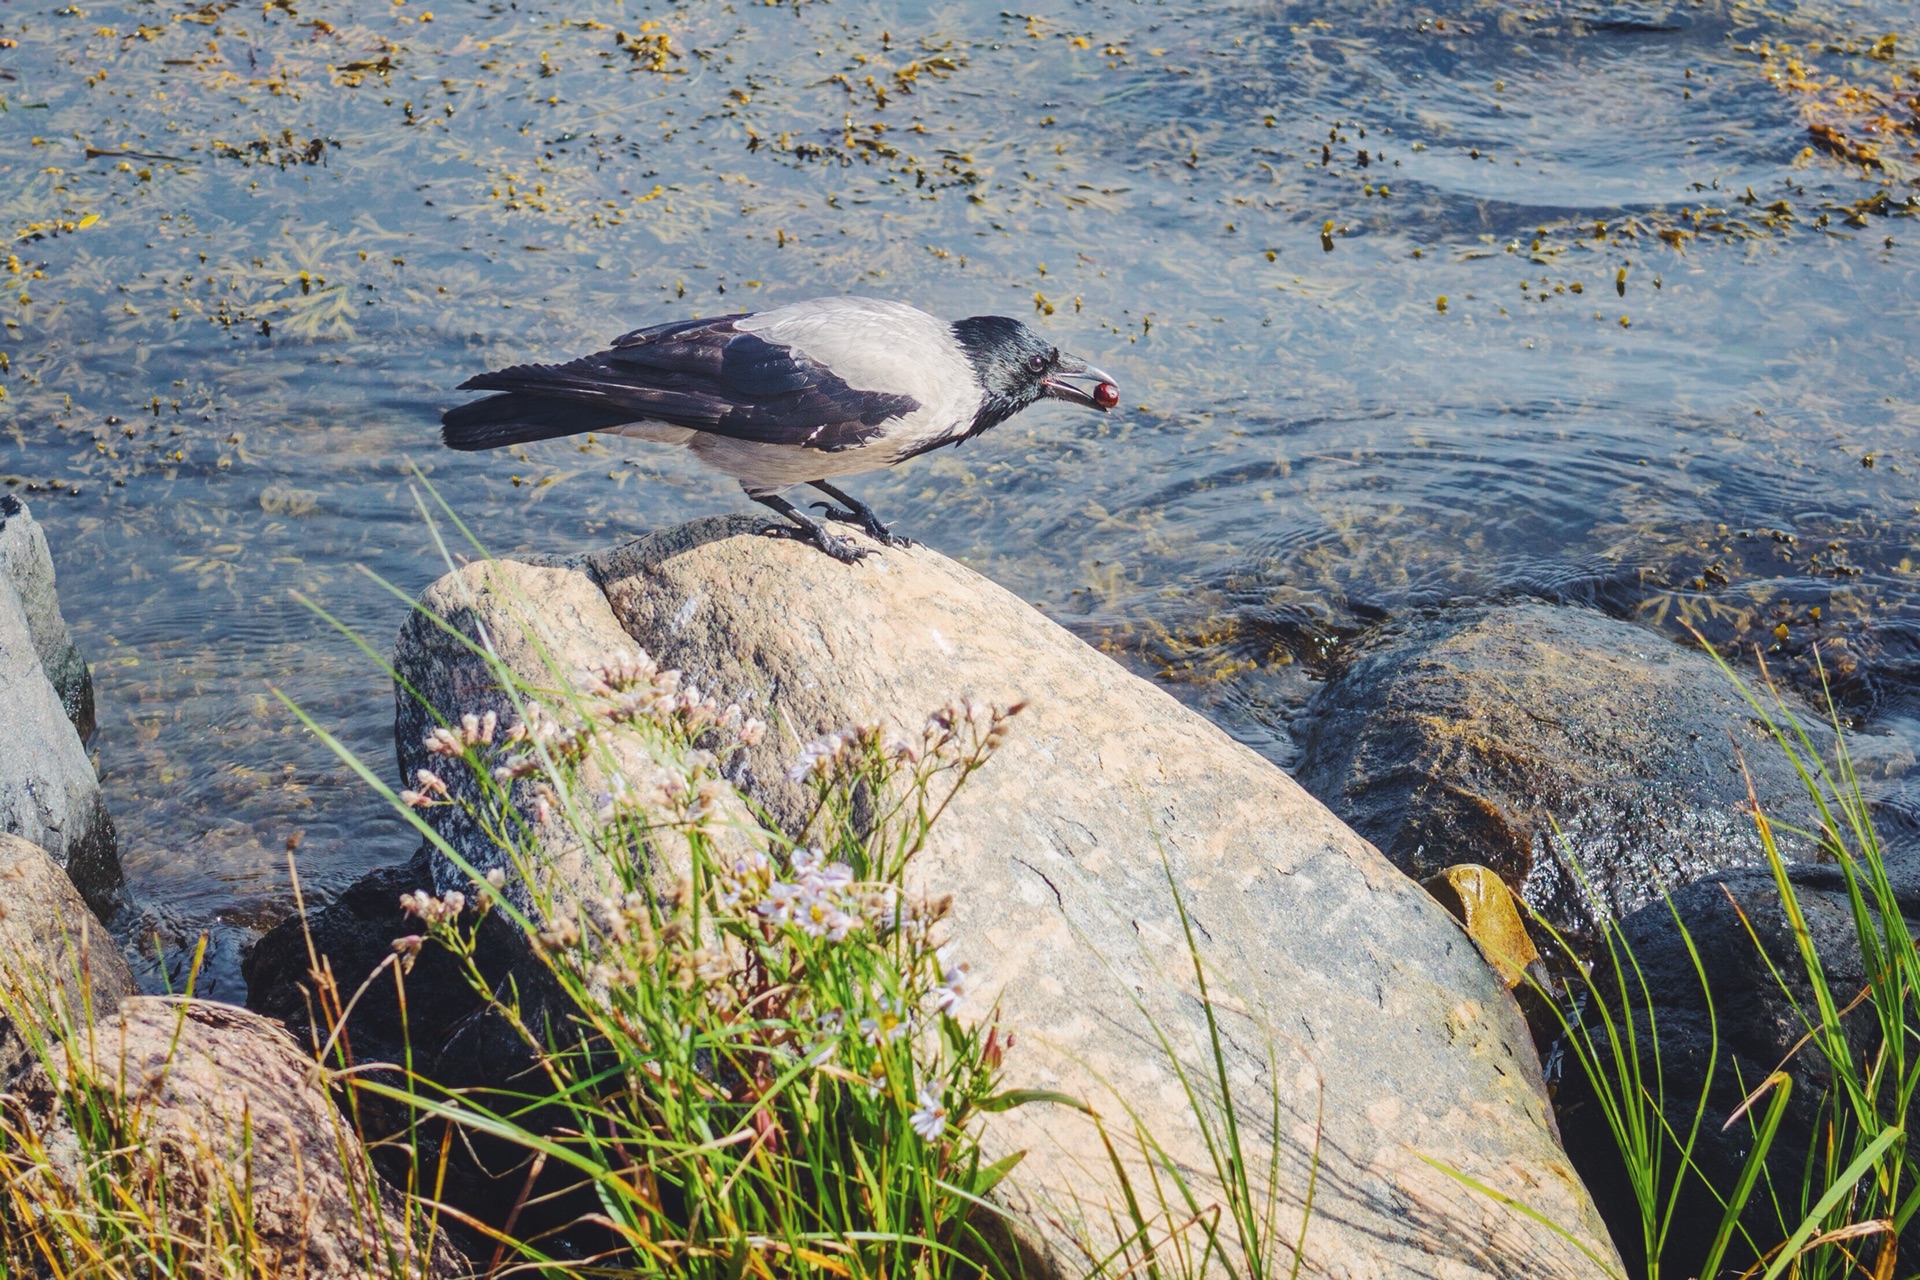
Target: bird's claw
{"type": "Point", "coordinates": [868, 525]}
{"type": "Point", "coordinates": [841, 549]}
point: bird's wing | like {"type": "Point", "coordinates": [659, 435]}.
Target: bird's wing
{"type": "Point", "coordinates": [707, 375]}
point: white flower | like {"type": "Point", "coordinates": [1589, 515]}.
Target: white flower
{"type": "Point", "coordinates": [819, 757]}
{"type": "Point", "coordinates": [745, 879]}
{"type": "Point", "coordinates": [782, 903]}
{"type": "Point", "coordinates": [930, 1121]}
{"type": "Point", "coordinates": [887, 1026]}
{"type": "Point", "coordinates": [952, 989]}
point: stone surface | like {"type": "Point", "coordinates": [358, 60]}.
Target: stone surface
{"type": "Point", "coordinates": [27, 562]}
{"type": "Point", "coordinates": [1391, 1041]}
{"type": "Point", "coordinates": [48, 791]}
{"type": "Point", "coordinates": [545, 622]}
{"type": "Point", "coordinates": [230, 1099]}
{"type": "Point", "coordinates": [1535, 738]}
{"type": "Point", "coordinates": [57, 965]}
{"type": "Point", "coordinates": [1758, 1028]}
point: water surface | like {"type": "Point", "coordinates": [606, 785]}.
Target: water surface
{"type": "Point", "coordinates": [1413, 307]}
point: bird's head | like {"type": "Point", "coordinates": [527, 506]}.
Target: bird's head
{"type": "Point", "coordinates": [1016, 367]}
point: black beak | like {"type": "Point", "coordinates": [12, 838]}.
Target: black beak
{"type": "Point", "coordinates": [1059, 384]}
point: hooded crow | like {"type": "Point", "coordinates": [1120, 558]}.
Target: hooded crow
{"type": "Point", "coordinates": [796, 395]}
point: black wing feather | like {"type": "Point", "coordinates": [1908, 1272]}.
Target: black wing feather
{"type": "Point", "coordinates": [702, 374]}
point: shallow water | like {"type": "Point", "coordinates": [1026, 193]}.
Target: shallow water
{"type": "Point", "coordinates": [256, 247]}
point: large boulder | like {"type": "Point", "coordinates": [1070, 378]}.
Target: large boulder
{"type": "Point", "coordinates": [229, 1108]}
{"type": "Point", "coordinates": [58, 967]}
{"type": "Point", "coordinates": [1753, 1025]}
{"type": "Point", "coordinates": [49, 793]}
{"type": "Point", "coordinates": [1393, 1046]}
{"type": "Point", "coordinates": [1592, 763]}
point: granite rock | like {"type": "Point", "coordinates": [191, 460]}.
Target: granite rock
{"type": "Point", "coordinates": [1348, 992]}
{"type": "Point", "coordinates": [227, 1099]}
{"type": "Point", "coordinates": [58, 967]}
{"type": "Point", "coordinates": [49, 793]}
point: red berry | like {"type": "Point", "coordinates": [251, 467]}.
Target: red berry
{"type": "Point", "coordinates": [1106, 395]}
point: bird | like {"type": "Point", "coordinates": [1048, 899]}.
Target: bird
{"type": "Point", "coordinates": [796, 395]}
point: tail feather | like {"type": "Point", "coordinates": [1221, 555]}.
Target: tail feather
{"type": "Point", "coordinates": [519, 418]}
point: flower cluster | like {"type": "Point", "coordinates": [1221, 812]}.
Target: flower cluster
{"type": "Point", "coordinates": [822, 899]}
{"type": "Point", "coordinates": [472, 731]}
{"type": "Point", "coordinates": [623, 797]}
{"type": "Point", "coordinates": [960, 728]}
{"type": "Point", "coordinates": [432, 910]}
{"type": "Point", "coordinates": [625, 693]}
{"type": "Point", "coordinates": [432, 791]}
{"type": "Point", "coordinates": [823, 757]}
{"type": "Point", "coordinates": [964, 716]}
{"type": "Point", "coordinates": [632, 686]}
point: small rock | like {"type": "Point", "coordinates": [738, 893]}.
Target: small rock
{"type": "Point", "coordinates": [1536, 739]}
{"type": "Point", "coordinates": [57, 965]}
{"type": "Point", "coordinates": [226, 1100]}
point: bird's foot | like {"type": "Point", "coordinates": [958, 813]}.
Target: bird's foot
{"type": "Point", "coordinates": [845, 550]}
{"type": "Point", "coordinates": [868, 523]}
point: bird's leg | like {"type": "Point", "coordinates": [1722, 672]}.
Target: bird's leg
{"type": "Point", "coordinates": [858, 512]}
{"type": "Point", "coordinates": [805, 526]}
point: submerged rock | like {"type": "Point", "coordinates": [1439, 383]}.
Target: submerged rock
{"type": "Point", "coordinates": [1592, 763]}
{"type": "Point", "coordinates": [49, 793]}
{"type": "Point", "coordinates": [1390, 1039]}
{"type": "Point", "coordinates": [1758, 1025]}
{"type": "Point", "coordinates": [58, 967]}
{"type": "Point", "coordinates": [229, 1105]}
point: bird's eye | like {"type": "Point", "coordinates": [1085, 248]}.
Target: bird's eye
{"type": "Point", "coordinates": [1037, 363]}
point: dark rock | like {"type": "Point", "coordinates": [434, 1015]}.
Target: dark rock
{"type": "Point", "coordinates": [58, 966]}
{"type": "Point", "coordinates": [444, 1028]}
{"type": "Point", "coordinates": [49, 793]}
{"type": "Point", "coordinates": [1538, 738]}
{"type": "Point", "coordinates": [1758, 1028]}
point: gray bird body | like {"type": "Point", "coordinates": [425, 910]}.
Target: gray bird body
{"type": "Point", "coordinates": [795, 395]}
{"type": "Point", "coordinates": [871, 345]}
